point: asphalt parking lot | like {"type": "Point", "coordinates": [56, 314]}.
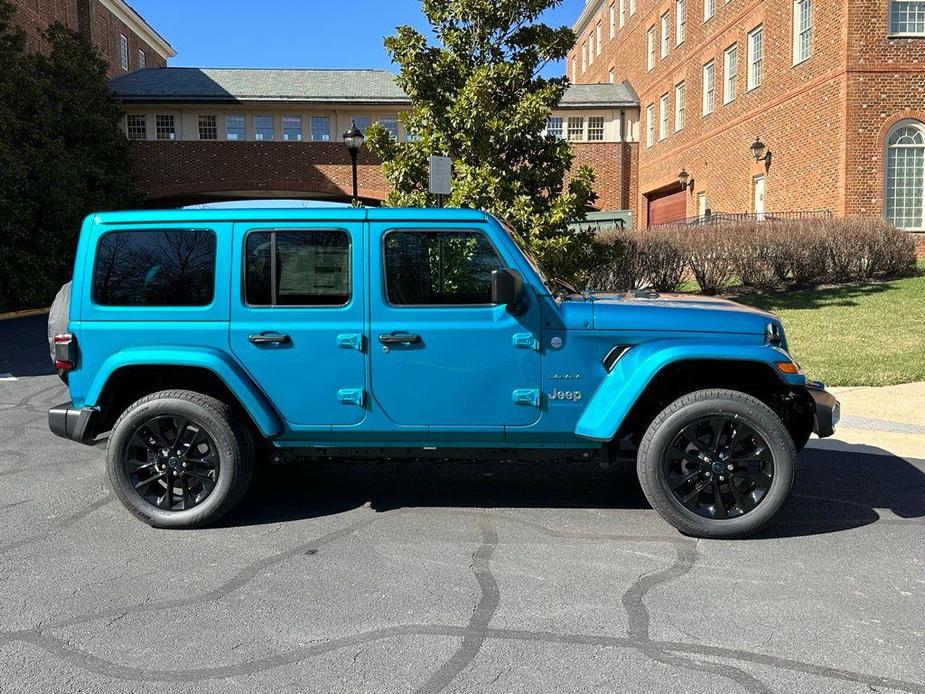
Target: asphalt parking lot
{"type": "Point", "coordinates": [436, 577]}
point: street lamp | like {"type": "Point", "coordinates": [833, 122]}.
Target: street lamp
{"type": "Point", "coordinates": [353, 138]}
{"type": "Point", "coordinates": [685, 180]}
{"type": "Point", "coordinates": [761, 152]}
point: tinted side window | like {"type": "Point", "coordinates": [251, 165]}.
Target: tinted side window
{"type": "Point", "coordinates": [299, 267]}
{"type": "Point", "coordinates": [155, 267]}
{"type": "Point", "coordinates": [439, 267]}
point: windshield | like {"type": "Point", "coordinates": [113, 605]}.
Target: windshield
{"type": "Point", "coordinates": [528, 254]}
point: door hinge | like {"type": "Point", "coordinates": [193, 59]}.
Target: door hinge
{"type": "Point", "coordinates": [527, 396]}
{"type": "Point", "coordinates": [351, 341]}
{"type": "Point", "coordinates": [352, 396]}
{"type": "Point", "coordinates": [526, 341]}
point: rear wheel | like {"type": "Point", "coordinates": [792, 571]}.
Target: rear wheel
{"type": "Point", "coordinates": [717, 463]}
{"type": "Point", "coordinates": [179, 459]}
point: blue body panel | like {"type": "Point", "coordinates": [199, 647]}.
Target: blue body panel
{"type": "Point", "coordinates": [479, 377]}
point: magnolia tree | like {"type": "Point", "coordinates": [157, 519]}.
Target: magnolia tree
{"type": "Point", "coordinates": [477, 97]}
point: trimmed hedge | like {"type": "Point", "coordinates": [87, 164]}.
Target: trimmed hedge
{"type": "Point", "coordinates": [762, 255]}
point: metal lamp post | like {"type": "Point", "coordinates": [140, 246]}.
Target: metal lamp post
{"type": "Point", "coordinates": [354, 138]}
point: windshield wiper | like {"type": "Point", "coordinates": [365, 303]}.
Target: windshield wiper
{"type": "Point", "coordinates": [562, 284]}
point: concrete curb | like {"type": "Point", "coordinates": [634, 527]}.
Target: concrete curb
{"type": "Point", "coordinates": [23, 314]}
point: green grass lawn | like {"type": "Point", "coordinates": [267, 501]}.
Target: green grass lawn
{"type": "Point", "coordinates": [872, 334]}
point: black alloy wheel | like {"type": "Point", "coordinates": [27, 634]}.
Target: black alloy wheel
{"type": "Point", "coordinates": [172, 462]}
{"type": "Point", "coordinates": [719, 467]}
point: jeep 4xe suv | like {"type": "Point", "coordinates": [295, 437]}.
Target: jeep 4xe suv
{"type": "Point", "coordinates": [194, 339]}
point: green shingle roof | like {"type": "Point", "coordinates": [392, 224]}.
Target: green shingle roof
{"type": "Point", "coordinates": [231, 85]}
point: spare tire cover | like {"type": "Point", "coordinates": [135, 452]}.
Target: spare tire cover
{"type": "Point", "coordinates": [59, 316]}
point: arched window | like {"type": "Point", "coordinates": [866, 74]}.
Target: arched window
{"type": "Point", "coordinates": [904, 196]}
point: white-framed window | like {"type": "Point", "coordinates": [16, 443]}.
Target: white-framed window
{"type": "Point", "coordinates": [597, 39]}
{"type": "Point", "coordinates": [650, 49]}
{"type": "Point", "coordinates": [709, 9]}
{"type": "Point", "coordinates": [613, 21]}
{"type": "Point", "coordinates": [234, 127]}
{"type": "Point", "coordinates": [591, 54]}
{"type": "Point", "coordinates": [123, 51]}
{"type": "Point", "coordinates": [702, 204]}
{"type": "Point", "coordinates": [650, 125]}
{"type": "Point", "coordinates": [663, 107]}
{"type": "Point", "coordinates": [632, 7]}
{"type": "Point", "coordinates": [142, 60]}
{"type": "Point", "coordinates": [802, 30]}
{"type": "Point", "coordinates": [208, 126]}
{"type": "Point", "coordinates": [907, 17]}
{"type": "Point", "coordinates": [755, 57]}
{"type": "Point", "coordinates": [709, 88]}
{"type": "Point", "coordinates": [611, 76]}
{"type": "Point", "coordinates": [679, 107]}
{"type": "Point", "coordinates": [730, 68]}
{"type": "Point", "coordinates": [584, 57]}
{"type": "Point", "coordinates": [622, 13]}
{"type": "Point", "coordinates": [263, 128]}
{"type": "Point", "coordinates": [136, 126]}
{"type": "Point", "coordinates": [554, 127]}
{"type": "Point", "coordinates": [904, 189]}
{"type": "Point", "coordinates": [321, 128]}
{"type": "Point", "coordinates": [165, 126]}
{"type": "Point", "coordinates": [574, 69]}
{"type": "Point", "coordinates": [680, 21]}
{"type": "Point", "coordinates": [390, 123]}
{"type": "Point", "coordinates": [596, 129]}
{"type": "Point", "coordinates": [576, 128]}
{"type": "Point", "coordinates": [292, 128]}
{"type": "Point", "coordinates": [362, 122]}
{"type": "Point", "coordinates": [666, 33]}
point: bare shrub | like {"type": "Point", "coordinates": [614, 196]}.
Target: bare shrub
{"type": "Point", "coordinates": [762, 260]}
{"type": "Point", "coordinates": [807, 248]}
{"type": "Point", "coordinates": [662, 260]}
{"type": "Point", "coordinates": [888, 252]}
{"type": "Point", "coordinates": [617, 268]}
{"type": "Point", "coordinates": [712, 255]}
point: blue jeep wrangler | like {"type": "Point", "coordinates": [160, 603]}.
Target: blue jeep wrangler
{"type": "Point", "coordinates": [197, 341]}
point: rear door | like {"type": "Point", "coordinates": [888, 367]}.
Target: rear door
{"type": "Point", "coordinates": [297, 318]}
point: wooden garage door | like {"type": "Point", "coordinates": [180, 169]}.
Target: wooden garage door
{"type": "Point", "coordinates": [667, 208]}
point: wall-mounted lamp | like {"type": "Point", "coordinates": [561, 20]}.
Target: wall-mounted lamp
{"type": "Point", "coordinates": [761, 152]}
{"type": "Point", "coordinates": [685, 180]}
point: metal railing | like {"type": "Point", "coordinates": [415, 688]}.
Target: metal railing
{"type": "Point", "coordinates": [720, 217]}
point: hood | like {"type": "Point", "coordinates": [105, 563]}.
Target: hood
{"type": "Point", "coordinates": [676, 312]}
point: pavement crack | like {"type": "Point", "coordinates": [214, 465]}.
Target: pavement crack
{"type": "Point", "coordinates": [481, 616]}
{"type": "Point", "coordinates": [58, 524]}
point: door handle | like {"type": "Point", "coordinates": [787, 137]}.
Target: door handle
{"type": "Point", "coordinates": [400, 339]}
{"type": "Point", "coordinates": [270, 339]}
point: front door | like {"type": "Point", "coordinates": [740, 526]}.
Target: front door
{"type": "Point", "coordinates": [759, 198]}
{"type": "Point", "coordinates": [442, 355]}
{"type": "Point", "coordinates": [297, 318]}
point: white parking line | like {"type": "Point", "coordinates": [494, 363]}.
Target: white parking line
{"type": "Point", "coordinates": [7, 377]}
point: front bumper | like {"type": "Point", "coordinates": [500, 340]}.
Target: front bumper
{"type": "Point", "coordinates": [72, 423]}
{"type": "Point", "coordinates": [826, 410]}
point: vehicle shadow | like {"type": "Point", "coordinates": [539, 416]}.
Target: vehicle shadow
{"type": "Point", "coordinates": [838, 487]}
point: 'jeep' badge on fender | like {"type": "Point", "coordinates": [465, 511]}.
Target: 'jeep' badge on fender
{"type": "Point", "coordinates": [572, 395]}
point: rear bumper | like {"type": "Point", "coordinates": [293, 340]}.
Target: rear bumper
{"type": "Point", "coordinates": [826, 410]}
{"type": "Point", "coordinates": [72, 423]}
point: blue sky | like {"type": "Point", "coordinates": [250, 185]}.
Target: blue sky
{"type": "Point", "coordinates": [283, 33]}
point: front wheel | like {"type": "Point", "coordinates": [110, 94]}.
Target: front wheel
{"type": "Point", "coordinates": [717, 464]}
{"type": "Point", "coordinates": [179, 459]}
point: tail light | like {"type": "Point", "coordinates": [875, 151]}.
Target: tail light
{"type": "Point", "coordinates": [65, 352]}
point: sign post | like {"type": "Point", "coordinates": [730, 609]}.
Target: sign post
{"type": "Point", "coordinates": [441, 172]}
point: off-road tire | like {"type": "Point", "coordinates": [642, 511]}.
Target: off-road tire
{"type": "Point", "coordinates": [688, 409]}
{"type": "Point", "coordinates": [234, 446]}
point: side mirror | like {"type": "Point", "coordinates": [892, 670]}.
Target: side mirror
{"type": "Point", "coordinates": [507, 289]}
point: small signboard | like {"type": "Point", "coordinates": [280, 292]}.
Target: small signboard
{"type": "Point", "coordinates": [441, 171]}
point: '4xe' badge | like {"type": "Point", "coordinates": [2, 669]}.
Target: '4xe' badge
{"type": "Point", "coordinates": [571, 395]}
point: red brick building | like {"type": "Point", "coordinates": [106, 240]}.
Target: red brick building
{"type": "Point", "coordinates": [121, 35]}
{"type": "Point", "coordinates": [835, 89]}
{"type": "Point", "coordinates": [210, 134]}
